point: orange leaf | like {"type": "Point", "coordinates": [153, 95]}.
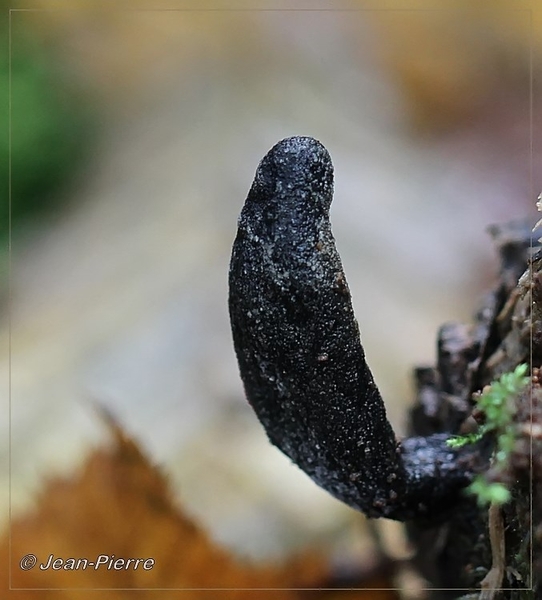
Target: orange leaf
{"type": "Point", "coordinates": [121, 507]}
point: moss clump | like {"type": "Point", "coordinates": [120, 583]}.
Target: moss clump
{"type": "Point", "coordinates": [496, 407]}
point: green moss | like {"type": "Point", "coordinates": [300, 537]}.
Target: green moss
{"type": "Point", "coordinates": [496, 403]}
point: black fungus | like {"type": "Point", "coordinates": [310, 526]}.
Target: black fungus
{"type": "Point", "coordinates": [300, 357]}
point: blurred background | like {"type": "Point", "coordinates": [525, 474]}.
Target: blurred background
{"type": "Point", "coordinates": [135, 135]}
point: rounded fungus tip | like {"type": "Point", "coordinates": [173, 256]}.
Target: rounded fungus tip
{"type": "Point", "coordinates": [297, 164]}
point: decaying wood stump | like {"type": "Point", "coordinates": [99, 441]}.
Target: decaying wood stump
{"type": "Point", "coordinates": [507, 331]}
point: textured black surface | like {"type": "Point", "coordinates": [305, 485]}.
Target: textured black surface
{"type": "Point", "coordinates": [300, 356]}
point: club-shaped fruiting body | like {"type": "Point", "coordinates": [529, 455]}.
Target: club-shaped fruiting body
{"type": "Point", "coordinates": [299, 351]}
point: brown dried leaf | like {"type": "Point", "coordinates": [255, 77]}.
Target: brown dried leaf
{"type": "Point", "coordinates": [122, 505]}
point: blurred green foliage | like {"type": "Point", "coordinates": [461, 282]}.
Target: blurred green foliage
{"type": "Point", "coordinates": [50, 127]}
